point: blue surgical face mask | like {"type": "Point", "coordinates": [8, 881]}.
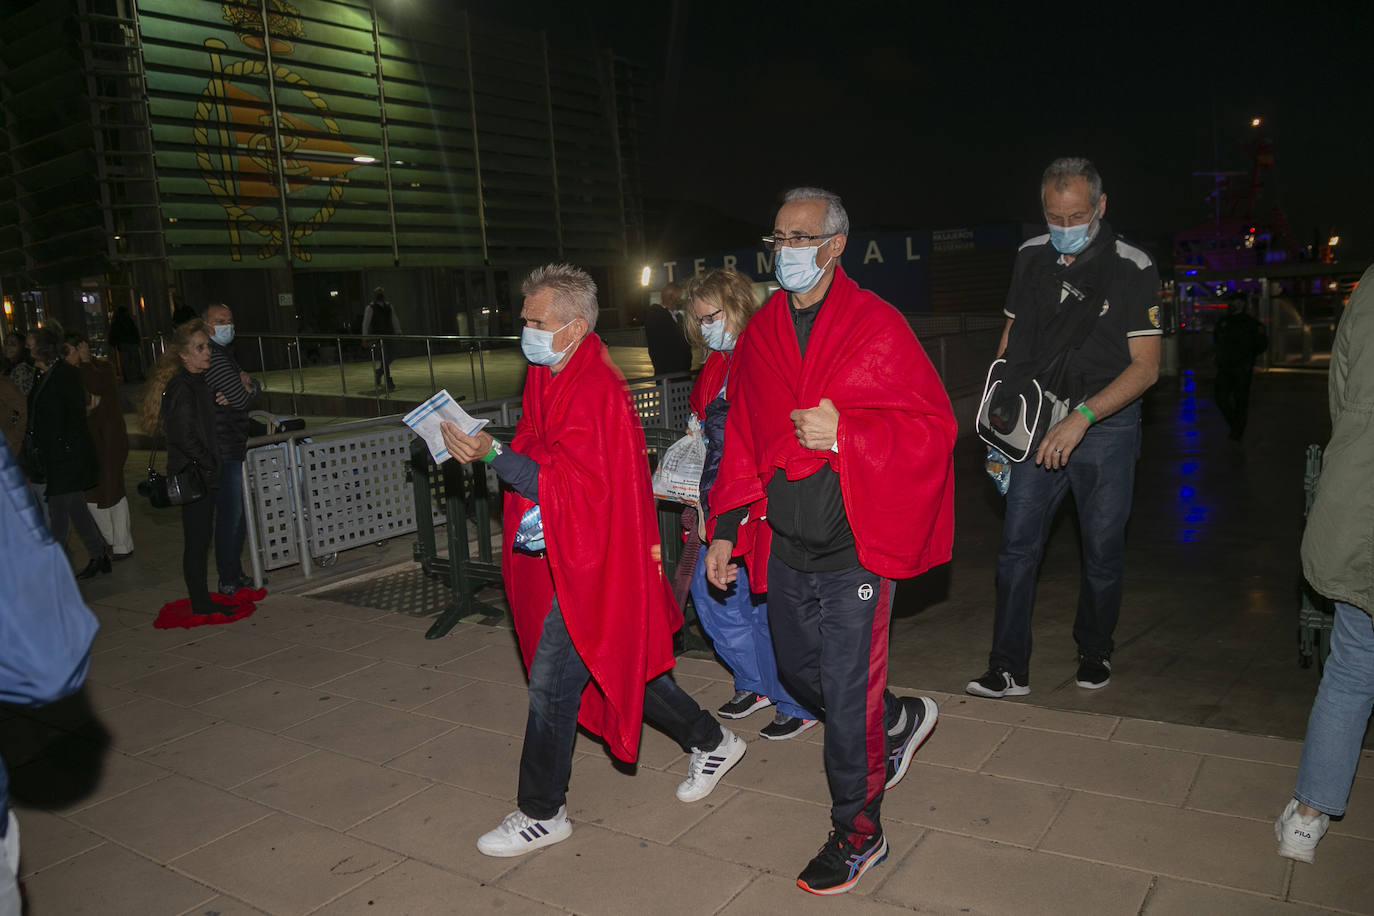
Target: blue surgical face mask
{"type": "Point", "coordinates": [538, 348]}
{"type": "Point", "coordinates": [1073, 239]}
{"type": "Point", "coordinates": [222, 334]}
{"type": "Point", "coordinates": [797, 270]}
{"type": "Point", "coordinates": [716, 336]}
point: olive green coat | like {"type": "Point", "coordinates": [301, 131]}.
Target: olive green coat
{"type": "Point", "coordinates": [1338, 544]}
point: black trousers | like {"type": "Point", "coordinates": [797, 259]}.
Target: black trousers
{"type": "Point", "coordinates": [197, 525]}
{"type": "Point", "coordinates": [830, 633]}
{"type": "Point", "coordinates": [69, 510]}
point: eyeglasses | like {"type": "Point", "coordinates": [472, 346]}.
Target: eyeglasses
{"type": "Point", "coordinates": [712, 318]}
{"type": "Point", "coordinates": [774, 242]}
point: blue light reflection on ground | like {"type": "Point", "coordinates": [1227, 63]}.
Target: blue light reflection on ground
{"type": "Point", "coordinates": [1192, 512]}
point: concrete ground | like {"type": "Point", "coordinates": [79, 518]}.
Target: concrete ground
{"type": "Point", "coordinates": [323, 757]}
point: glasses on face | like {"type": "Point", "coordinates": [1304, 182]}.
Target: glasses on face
{"type": "Point", "coordinates": [774, 242]}
{"type": "Point", "coordinates": [712, 318]}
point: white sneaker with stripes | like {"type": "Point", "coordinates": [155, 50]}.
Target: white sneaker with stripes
{"type": "Point", "coordinates": [706, 768]}
{"type": "Point", "coordinates": [519, 833]}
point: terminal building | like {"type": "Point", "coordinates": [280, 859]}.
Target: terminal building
{"type": "Point", "coordinates": [288, 156]}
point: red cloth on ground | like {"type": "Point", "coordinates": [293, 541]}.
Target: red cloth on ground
{"type": "Point", "coordinates": [709, 380]}
{"type": "Point", "coordinates": [896, 431]}
{"type": "Point", "coordinates": [178, 613]}
{"type": "Point", "coordinates": [602, 559]}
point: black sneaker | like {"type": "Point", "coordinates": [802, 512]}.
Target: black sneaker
{"type": "Point", "coordinates": [839, 865]}
{"type": "Point", "coordinates": [921, 716]}
{"type": "Point", "coordinates": [1093, 672]}
{"type": "Point", "coordinates": [784, 726]}
{"type": "Point", "coordinates": [997, 683]}
{"type": "Point", "coordinates": [742, 704]}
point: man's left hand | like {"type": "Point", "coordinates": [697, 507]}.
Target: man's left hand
{"type": "Point", "coordinates": [463, 447]}
{"type": "Point", "coordinates": [817, 427]}
{"type": "Point", "coordinates": [246, 381]}
{"type": "Point", "coordinates": [1062, 438]}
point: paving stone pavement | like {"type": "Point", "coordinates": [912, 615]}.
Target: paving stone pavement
{"type": "Point", "coordinates": [319, 757]}
{"type": "Point", "coordinates": [322, 757]}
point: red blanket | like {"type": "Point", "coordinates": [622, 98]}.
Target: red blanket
{"type": "Point", "coordinates": [896, 431]}
{"type": "Point", "coordinates": [602, 558]}
{"type": "Point", "coordinates": [709, 380]}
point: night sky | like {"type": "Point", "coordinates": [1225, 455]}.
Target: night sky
{"type": "Point", "coordinates": [929, 116]}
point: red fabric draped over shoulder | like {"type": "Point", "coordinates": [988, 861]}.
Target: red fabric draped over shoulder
{"type": "Point", "coordinates": [602, 555]}
{"type": "Point", "coordinates": [896, 431]}
{"type": "Point", "coordinates": [709, 380]}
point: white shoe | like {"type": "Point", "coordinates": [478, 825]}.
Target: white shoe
{"type": "Point", "coordinates": [519, 833]}
{"type": "Point", "coordinates": [707, 767]}
{"type": "Point", "coordinates": [1298, 834]}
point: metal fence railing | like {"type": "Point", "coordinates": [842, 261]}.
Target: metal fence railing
{"type": "Point", "coordinates": [312, 493]}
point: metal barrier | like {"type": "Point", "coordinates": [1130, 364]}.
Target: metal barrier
{"type": "Point", "coordinates": [465, 492]}
{"type": "Point", "coordinates": [311, 493]}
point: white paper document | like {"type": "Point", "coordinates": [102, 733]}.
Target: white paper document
{"type": "Point", "coordinates": [426, 418]}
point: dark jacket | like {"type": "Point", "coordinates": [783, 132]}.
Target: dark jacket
{"type": "Point", "coordinates": [57, 419]}
{"type": "Point", "coordinates": [124, 333]}
{"type": "Point", "coordinates": [231, 420]}
{"type": "Point", "coordinates": [188, 417]}
{"type": "Point", "coordinates": [111, 439]}
{"type": "Point", "coordinates": [668, 349]}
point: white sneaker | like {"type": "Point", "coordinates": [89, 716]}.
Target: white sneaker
{"type": "Point", "coordinates": [519, 833]}
{"type": "Point", "coordinates": [707, 767]}
{"type": "Point", "coordinates": [1299, 834]}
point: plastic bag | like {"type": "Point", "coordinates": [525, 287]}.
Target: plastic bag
{"type": "Point", "coordinates": [678, 477]}
{"type": "Point", "coordinates": [998, 467]}
{"type": "Point", "coordinates": [529, 536]}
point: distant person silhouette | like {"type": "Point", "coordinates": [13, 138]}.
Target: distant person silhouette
{"type": "Point", "coordinates": [1239, 338]}
{"type": "Point", "coordinates": [668, 348]}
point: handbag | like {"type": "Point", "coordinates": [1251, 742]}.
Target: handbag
{"type": "Point", "coordinates": [1015, 432]}
{"type": "Point", "coordinates": [166, 490]}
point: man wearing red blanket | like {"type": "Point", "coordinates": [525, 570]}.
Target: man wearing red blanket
{"type": "Point", "coordinates": [593, 612]}
{"type": "Point", "coordinates": [840, 436]}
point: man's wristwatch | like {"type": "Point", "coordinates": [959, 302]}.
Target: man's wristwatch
{"type": "Point", "coordinates": [495, 450]}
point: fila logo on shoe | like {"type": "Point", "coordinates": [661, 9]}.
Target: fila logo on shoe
{"type": "Point", "coordinates": [865, 592]}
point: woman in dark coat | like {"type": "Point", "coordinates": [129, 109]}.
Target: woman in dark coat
{"type": "Point", "coordinates": [66, 454]}
{"type": "Point", "coordinates": [177, 399]}
{"type": "Point", "coordinates": [107, 501]}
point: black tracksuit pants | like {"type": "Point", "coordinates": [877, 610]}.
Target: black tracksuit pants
{"type": "Point", "coordinates": [830, 632]}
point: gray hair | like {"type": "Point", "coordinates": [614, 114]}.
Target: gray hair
{"type": "Point", "coordinates": [836, 220]}
{"type": "Point", "coordinates": [205, 315]}
{"type": "Point", "coordinates": [1062, 170]}
{"type": "Point", "coordinates": [574, 291]}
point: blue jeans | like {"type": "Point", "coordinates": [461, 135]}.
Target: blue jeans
{"type": "Point", "coordinates": [1101, 474]}
{"type": "Point", "coordinates": [1340, 714]}
{"type": "Point", "coordinates": [557, 676]}
{"type": "Point", "coordinates": [229, 522]}
{"type": "Point", "coordinates": [737, 622]}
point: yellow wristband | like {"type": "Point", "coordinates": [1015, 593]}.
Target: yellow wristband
{"type": "Point", "coordinates": [1086, 411]}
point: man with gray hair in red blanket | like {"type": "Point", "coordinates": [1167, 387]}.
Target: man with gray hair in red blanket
{"type": "Point", "coordinates": [836, 479]}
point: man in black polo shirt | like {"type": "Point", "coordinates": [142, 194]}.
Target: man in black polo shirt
{"type": "Point", "coordinates": [1077, 270]}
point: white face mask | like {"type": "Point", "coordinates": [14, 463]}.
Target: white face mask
{"type": "Point", "coordinates": [716, 336]}
{"type": "Point", "coordinates": [222, 334]}
{"type": "Point", "coordinates": [538, 348]}
{"type": "Point", "coordinates": [797, 270]}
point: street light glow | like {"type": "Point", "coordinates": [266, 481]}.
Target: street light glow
{"type": "Point", "coordinates": [1255, 122]}
{"type": "Point", "coordinates": [1334, 241]}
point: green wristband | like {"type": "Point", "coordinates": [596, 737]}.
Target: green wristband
{"type": "Point", "coordinates": [491, 454]}
{"type": "Point", "coordinates": [1086, 411]}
